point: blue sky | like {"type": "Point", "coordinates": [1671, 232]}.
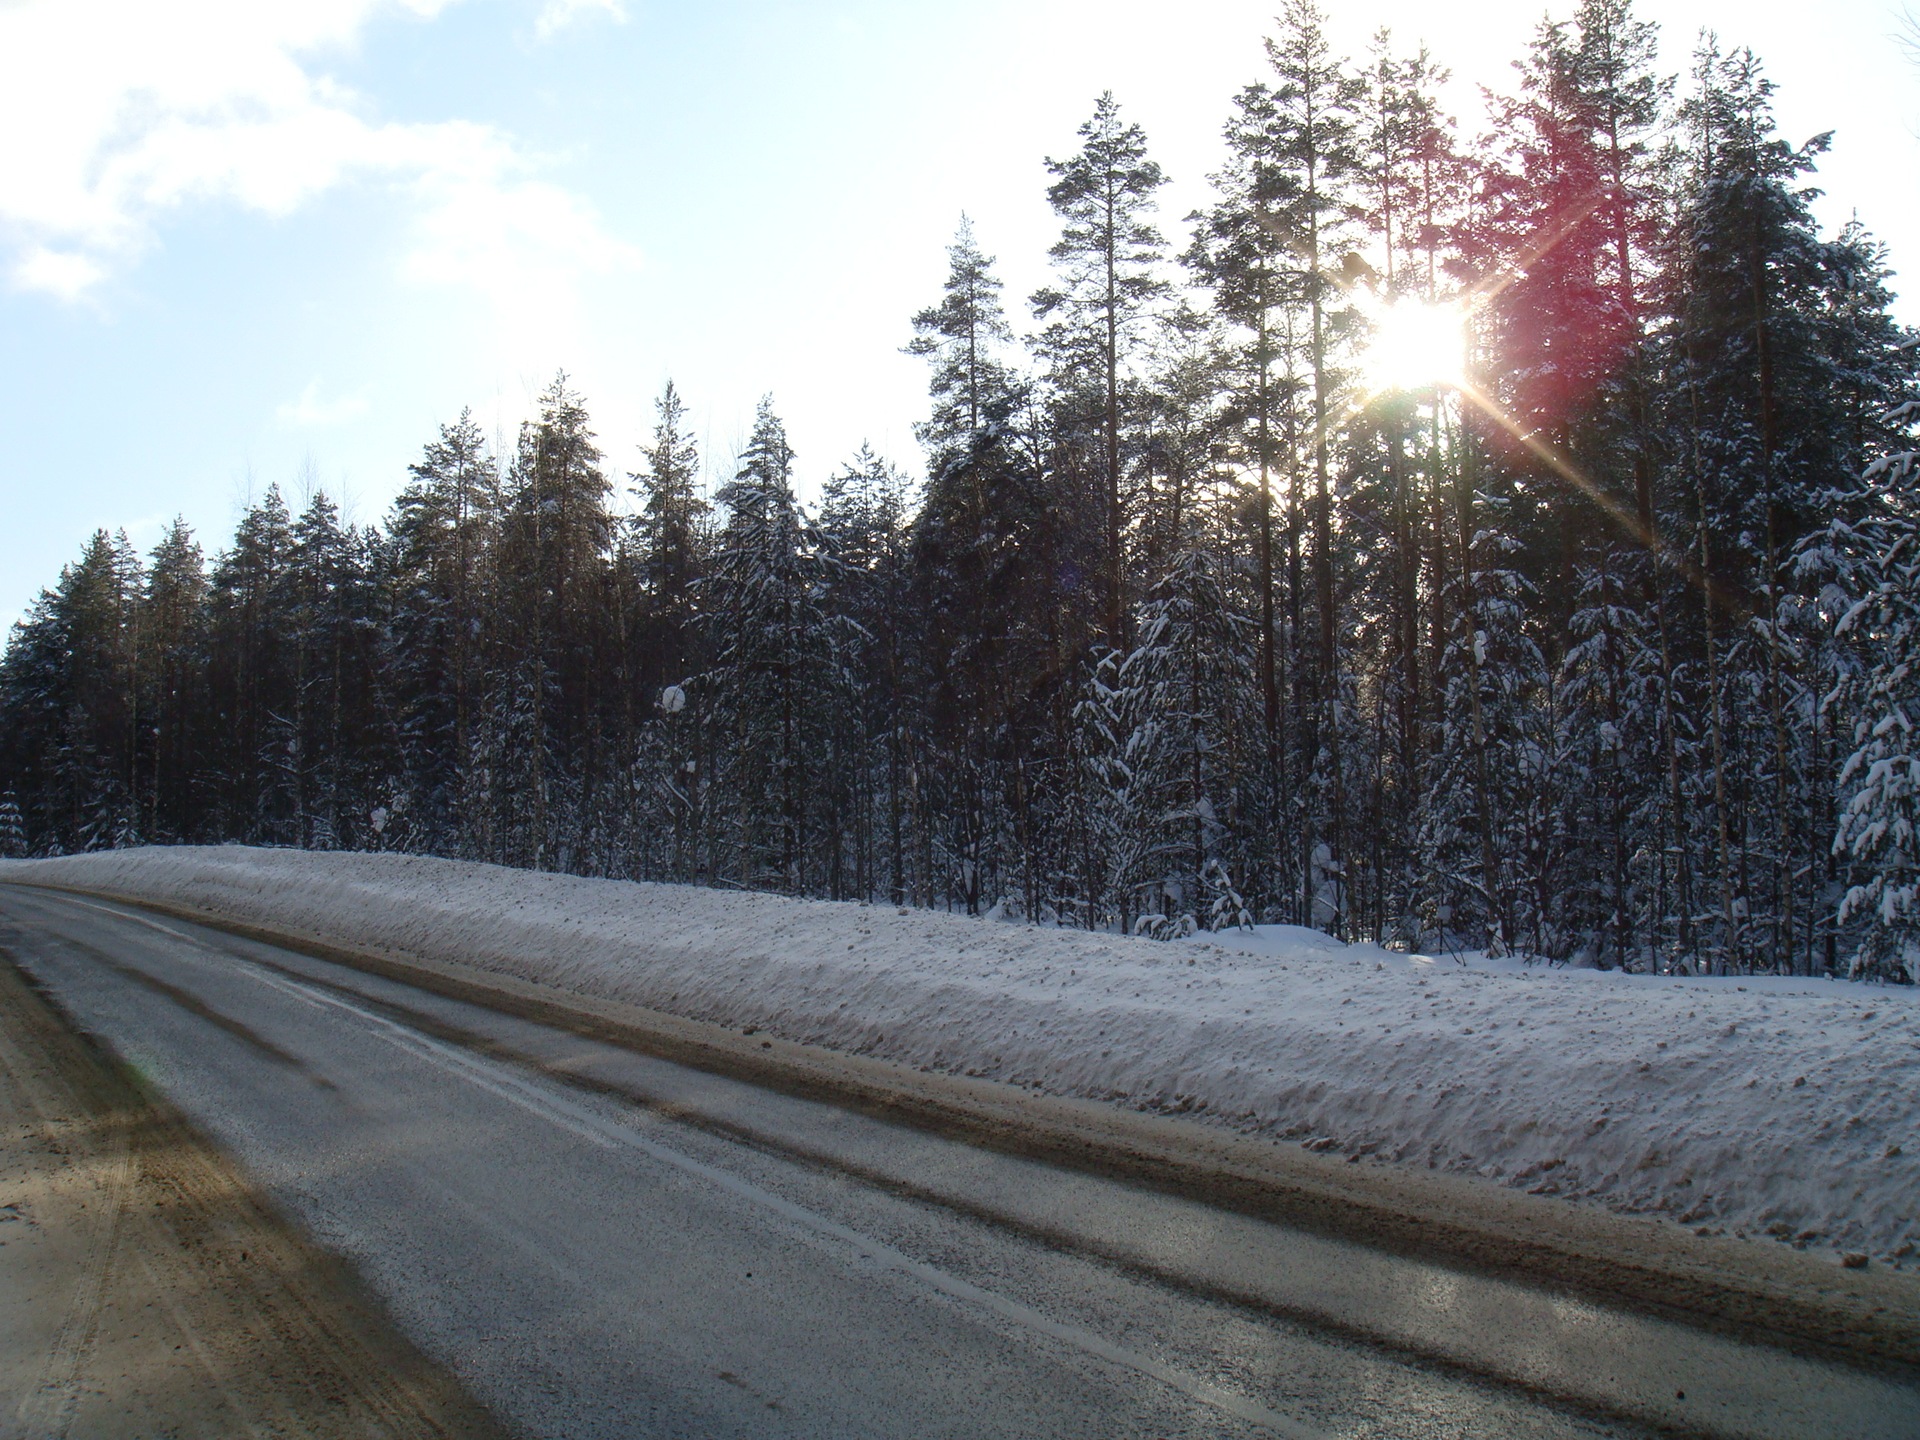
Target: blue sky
{"type": "Point", "coordinates": [244, 243]}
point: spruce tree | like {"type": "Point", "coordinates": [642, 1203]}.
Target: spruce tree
{"type": "Point", "coordinates": [13, 828]}
{"type": "Point", "coordinates": [1877, 830]}
{"type": "Point", "coordinates": [1771, 364]}
{"type": "Point", "coordinates": [249, 679]}
{"type": "Point", "coordinates": [95, 759]}
{"type": "Point", "coordinates": [862, 541]}
{"type": "Point", "coordinates": [1175, 710]}
{"type": "Point", "coordinates": [669, 529]}
{"type": "Point", "coordinates": [443, 538]}
{"type": "Point", "coordinates": [762, 601]}
{"type": "Point", "coordinates": [173, 685]}
{"type": "Point", "coordinates": [550, 705]}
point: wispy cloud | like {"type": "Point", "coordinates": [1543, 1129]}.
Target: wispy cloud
{"type": "Point", "coordinates": [523, 243]}
{"type": "Point", "coordinates": [312, 409]}
{"type": "Point", "coordinates": [115, 114]}
{"type": "Point", "coordinates": [556, 15]}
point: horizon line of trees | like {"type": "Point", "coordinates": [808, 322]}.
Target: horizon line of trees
{"type": "Point", "coordinates": [1602, 651]}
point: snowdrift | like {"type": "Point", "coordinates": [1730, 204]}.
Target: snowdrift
{"type": "Point", "coordinates": [1753, 1106]}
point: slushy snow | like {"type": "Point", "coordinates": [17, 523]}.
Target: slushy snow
{"type": "Point", "coordinates": [1756, 1106]}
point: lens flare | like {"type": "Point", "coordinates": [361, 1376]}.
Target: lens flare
{"type": "Point", "coordinates": [1414, 346]}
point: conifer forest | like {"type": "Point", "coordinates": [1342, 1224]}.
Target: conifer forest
{"type": "Point", "coordinates": [1503, 541]}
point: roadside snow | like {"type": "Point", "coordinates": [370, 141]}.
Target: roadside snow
{"type": "Point", "coordinates": [1755, 1105]}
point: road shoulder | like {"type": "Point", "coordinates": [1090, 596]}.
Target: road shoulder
{"type": "Point", "coordinates": [147, 1289]}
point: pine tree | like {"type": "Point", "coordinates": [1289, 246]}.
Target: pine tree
{"type": "Point", "coordinates": [1315, 150]}
{"type": "Point", "coordinates": [1560, 239]}
{"type": "Point", "coordinates": [1412, 188]}
{"type": "Point", "coordinates": [972, 389]}
{"type": "Point", "coordinates": [1545, 232]}
{"type": "Point", "coordinates": [1407, 161]}
{"type": "Point", "coordinates": [1242, 252]}
{"type": "Point", "coordinates": [1108, 256]}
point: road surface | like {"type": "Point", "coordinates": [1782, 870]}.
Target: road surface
{"type": "Point", "coordinates": [598, 1243]}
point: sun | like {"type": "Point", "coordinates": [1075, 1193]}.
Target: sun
{"type": "Point", "coordinates": [1415, 345]}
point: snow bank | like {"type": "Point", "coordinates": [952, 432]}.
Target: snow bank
{"type": "Point", "coordinates": [1759, 1106]}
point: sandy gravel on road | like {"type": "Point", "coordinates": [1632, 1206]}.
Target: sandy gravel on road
{"type": "Point", "coordinates": [147, 1291]}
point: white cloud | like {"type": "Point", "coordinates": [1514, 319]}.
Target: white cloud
{"type": "Point", "coordinates": [58, 272]}
{"type": "Point", "coordinates": [556, 15]}
{"type": "Point", "coordinates": [312, 410]}
{"type": "Point", "coordinates": [115, 113]}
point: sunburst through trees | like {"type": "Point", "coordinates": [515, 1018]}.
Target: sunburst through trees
{"type": "Point", "coordinates": [1463, 543]}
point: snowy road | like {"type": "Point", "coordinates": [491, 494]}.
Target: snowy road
{"type": "Point", "coordinates": [644, 1249]}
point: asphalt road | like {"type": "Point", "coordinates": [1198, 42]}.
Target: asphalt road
{"type": "Point", "coordinates": [651, 1251]}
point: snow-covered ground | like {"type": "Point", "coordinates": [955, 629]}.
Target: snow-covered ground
{"type": "Point", "coordinates": [1758, 1106]}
